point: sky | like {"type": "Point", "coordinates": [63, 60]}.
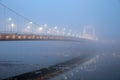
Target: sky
{"type": "Point", "coordinates": [103, 15]}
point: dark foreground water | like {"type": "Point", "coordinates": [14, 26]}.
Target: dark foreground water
{"type": "Point", "coordinates": [25, 56]}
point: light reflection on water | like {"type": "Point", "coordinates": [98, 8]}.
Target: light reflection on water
{"type": "Point", "coordinates": [104, 66]}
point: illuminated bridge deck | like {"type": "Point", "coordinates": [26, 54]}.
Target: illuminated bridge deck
{"type": "Point", "coordinates": [28, 37]}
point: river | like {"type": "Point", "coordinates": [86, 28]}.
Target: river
{"type": "Point", "coordinates": [18, 57]}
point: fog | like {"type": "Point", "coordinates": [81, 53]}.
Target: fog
{"type": "Point", "coordinates": [103, 15]}
{"type": "Point", "coordinates": [96, 23]}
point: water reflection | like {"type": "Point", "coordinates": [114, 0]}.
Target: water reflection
{"type": "Point", "coordinates": [104, 66]}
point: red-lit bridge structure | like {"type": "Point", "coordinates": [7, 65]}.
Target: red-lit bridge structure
{"type": "Point", "coordinates": [28, 37]}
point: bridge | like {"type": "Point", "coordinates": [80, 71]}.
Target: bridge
{"type": "Point", "coordinates": [16, 27]}
{"type": "Point", "coordinates": [20, 37]}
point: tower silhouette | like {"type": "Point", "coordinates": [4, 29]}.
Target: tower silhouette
{"type": "Point", "coordinates": [89, 33]}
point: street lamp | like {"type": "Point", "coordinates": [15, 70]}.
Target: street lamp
{"type": "Point", "coordinates": [28, 29]}
{"type": "Point", "coordinates": [12, 26]}
{"type": "Point", "coordinates": [9, 19]}
{"type": "Point", "coordinates": [40, 29]}
{"type": "Point", "coordinates": [30, 23]}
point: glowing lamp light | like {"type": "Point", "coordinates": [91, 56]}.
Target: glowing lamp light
{"type": "Point", "coordinates": [45, 25]}
{"type": "Point", "coordinates": [7, 37]}
{"type": "Point", "coordinates": [33, 37]}
{"type": "Point", "coordinates": [30, 22]}
{"type": "Point", "coordinates": [19, 37]}
{"type": "Point", "coordinates": [9, 19]}
{"type": "Point", "coordinates": [57, 31]}
{"type": "Point", "coordinates": [37, 37]}
{"type": "Point", "coordinates": [55, 27]}
{"type": "Point", "coordinates": [13, 36]}
{"type": "Point", "coordinates": [12, 25]}
{"type": "Point", "coordinates": [29, 37]}
{"type": "Point", "coordinates": [40, 29]}
{"type": "Point", "coordinates": [28, 27]}
{"type": "Point", "coordinates": [24, 37]}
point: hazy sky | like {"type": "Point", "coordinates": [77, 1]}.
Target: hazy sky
{"type": "Point", "coordinates": [104, 15]}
